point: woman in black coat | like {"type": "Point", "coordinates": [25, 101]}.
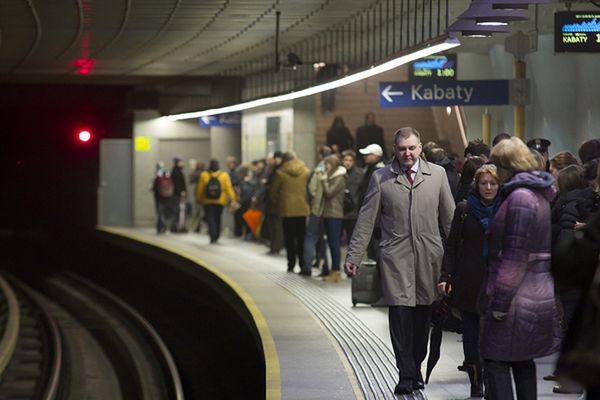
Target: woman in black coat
{"type": "Point", "coordinates": [575, 203]}
{"type": "Point", "coordinates": [464, 266]}
{"type": "Point", "coordinates": [339, 137]}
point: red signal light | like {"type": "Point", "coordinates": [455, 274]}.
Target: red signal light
{"type": "Point", "coordinates": [84, 136]}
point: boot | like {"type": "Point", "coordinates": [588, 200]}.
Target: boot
{"type": "Point", "coordinates": [475, 372]}
{"type": "Point", "coordinates": [334, 276]}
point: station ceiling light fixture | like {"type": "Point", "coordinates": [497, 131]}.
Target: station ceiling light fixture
{"type": "Point", "coordinates": [483, 13]}
{"type": "Point", "coordinates": [470, 28]}
{"type": "Point", "coordinates": [446, 42]}
{"type": "Point", "coordinates": [515, 4]}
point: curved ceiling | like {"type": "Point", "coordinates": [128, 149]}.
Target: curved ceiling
{"type": "Point", "coordinates": [56, 40]}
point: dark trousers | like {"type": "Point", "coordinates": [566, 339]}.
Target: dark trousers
{"type": "Point", "coordinates": [592, 393]}
{"type": "Point", "coordinates": [333, 227]}
{"type": "Point", "coordinates": [349, 228]}
{"type": "Point", "coordinates": [163, 214]}
{"type": "Point", "coordinates": [293, 235]}
{"type": "Point", "coordinates": [470, 324]}
{"type": "Point", "coordinates": [212, 213]}
{"type": "Point", "coordinates": [409, 330]}
{"type": "Point", "coordinates": [499, 384]}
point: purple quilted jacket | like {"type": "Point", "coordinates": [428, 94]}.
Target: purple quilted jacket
{"type": "Point", "coordinates": [519, 279]}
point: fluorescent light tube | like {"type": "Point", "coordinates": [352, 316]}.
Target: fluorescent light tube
{"type": "Point", "coordinates": [449, 43]}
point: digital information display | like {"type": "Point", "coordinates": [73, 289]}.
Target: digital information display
{"type": "Point", "coordinates": [577, 31]}
{"type": "Point", "coordinates": [439, 66]}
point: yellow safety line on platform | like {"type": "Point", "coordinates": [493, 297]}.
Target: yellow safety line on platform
{"type": "Point", "coordinates": [11, 332]}
{"type": "Point", "coordinates": [273, 377]}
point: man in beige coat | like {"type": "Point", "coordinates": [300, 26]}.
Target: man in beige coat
{"type": "Point", "coordinates": [412, 200]}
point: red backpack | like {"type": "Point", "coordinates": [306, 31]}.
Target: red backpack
{"type": "Point", "coordinates": [166, 188]}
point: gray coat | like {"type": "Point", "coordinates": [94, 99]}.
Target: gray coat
{"type": "Point", "coordinates": [410, 220]}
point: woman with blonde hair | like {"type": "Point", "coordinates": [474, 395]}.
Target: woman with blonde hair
{"type": "Point", "coordinates": [465, 263]}
{"type": "Point", "coordinates": [521, 320]}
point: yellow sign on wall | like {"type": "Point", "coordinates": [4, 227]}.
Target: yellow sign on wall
{"type": "Point", "coordinates": [142, 143]}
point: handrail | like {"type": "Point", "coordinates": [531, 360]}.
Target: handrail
{"type": "Point", "coordinates": [11, 334]}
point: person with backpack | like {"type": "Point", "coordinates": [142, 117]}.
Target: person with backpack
{"type": "Point", "coordinates": [213, 191]}
{"type": "Point", "coordinates": [163, 189]}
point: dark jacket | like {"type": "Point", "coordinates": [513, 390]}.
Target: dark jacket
{"type": "Point", "coordinates": [369, 169]}
{"type": "Point", "coordinates": [178, 181]}
{"type": "Point", "coordinates": [581, 348]}
{"type": "Point", "coordinates": [353, 184]}
{"type": "Point", "coordinates": [571, 207]}
{"type": "Point", "coordinates": [340, 136]}
{"type": "Point", "coordinates": [464, 264]}
{"type": "Point", "coordinates": [462, 191]}
{"type": "Point", "coordinates": [519, 280]}
{"type": "Point", "coordinates": [449, 165]}
{"type": "Point", "coordinates": [370, 134]}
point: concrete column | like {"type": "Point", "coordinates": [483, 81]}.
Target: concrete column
{"type": "Point", "coordinates": [519, 72]}
{"type": "Point", "coordinates": [486, 126]}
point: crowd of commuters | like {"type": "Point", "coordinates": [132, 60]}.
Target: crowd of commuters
{"type": "Point", "coordinates": [509, 234]}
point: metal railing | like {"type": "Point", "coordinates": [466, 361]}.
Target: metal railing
{"type": "Point", "coordinates": [376, 33]}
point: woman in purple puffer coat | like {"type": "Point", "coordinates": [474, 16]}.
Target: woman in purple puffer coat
{"type": "Point", "coordinates": [521, 321]}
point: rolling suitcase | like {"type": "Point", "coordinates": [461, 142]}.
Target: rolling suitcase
{"type": "Point", "coordinates": [366, 284]}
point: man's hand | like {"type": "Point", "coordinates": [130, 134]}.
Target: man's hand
{"type": "Point", "coordinates": [444, 288]}
{"type": "Point", "coordinates": [499, 315]}
{"type": "Point", "coordinates": [350, 269]}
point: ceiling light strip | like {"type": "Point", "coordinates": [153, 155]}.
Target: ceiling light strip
{"type": "Point", "coordinates": [448, 43]}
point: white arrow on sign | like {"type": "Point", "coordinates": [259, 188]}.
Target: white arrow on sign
{"type": "Point", "coordinates": [387, 93]}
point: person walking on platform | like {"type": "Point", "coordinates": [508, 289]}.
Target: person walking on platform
{"type": "Point", "coordinates": [412, 199]}
{"type": "Point", "coordinates": [370, 133]}
{"type": "Point", "coordinates": [213, 191]}
{"type": "Point", "coordinates": [163, 190]}
{"type": "Point", "coordinates": [179, 196]}
{"type": "Point", "coordinates": [334, 184]}
{"type": "Point", "coordinates": [465, 263]}
{"type": "Point", "coordinates": [288, 191]}
{"type": "Point", "coordinates": [521, 321]}
{"type": "Point", "coordinates": [197, 168]}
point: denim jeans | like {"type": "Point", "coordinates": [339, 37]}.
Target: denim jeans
{"type": "Point", "coordinates": [311, 239]}
{"type": "Point", "coordinates": [333, 227]}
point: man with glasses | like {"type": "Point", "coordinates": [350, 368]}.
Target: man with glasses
{"type": "Point", "coordinates": [411, 199]}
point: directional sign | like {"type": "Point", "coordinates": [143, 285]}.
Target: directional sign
{"type": "Point", "coordinates": [232, 120]}
{"type": "Point", "coordinates": [443, 93]}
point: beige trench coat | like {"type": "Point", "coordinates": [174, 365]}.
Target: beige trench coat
{"type": "Point", "coordinates": [410, 219]}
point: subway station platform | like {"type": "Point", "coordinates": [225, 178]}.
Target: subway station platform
{"type": "Point", "coordinates": [316, 344]}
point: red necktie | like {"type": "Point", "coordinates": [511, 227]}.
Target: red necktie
{"type": "Point", "coordinates": [409, 176]}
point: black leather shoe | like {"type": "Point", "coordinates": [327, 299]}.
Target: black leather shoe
{"type": "Point", "coordinates": [305, 273]}
{"type": "Point", "coordinates": [404, 387]}
{"type": "Point", "coordinates": [550, 378]}
{"type": "Point", "coordinates": [418, 385]}
{"type": "Point", "coordinates": [567, 388]}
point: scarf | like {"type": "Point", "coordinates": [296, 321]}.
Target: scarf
{"type": "Point", "coordinates": [482, 213]}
